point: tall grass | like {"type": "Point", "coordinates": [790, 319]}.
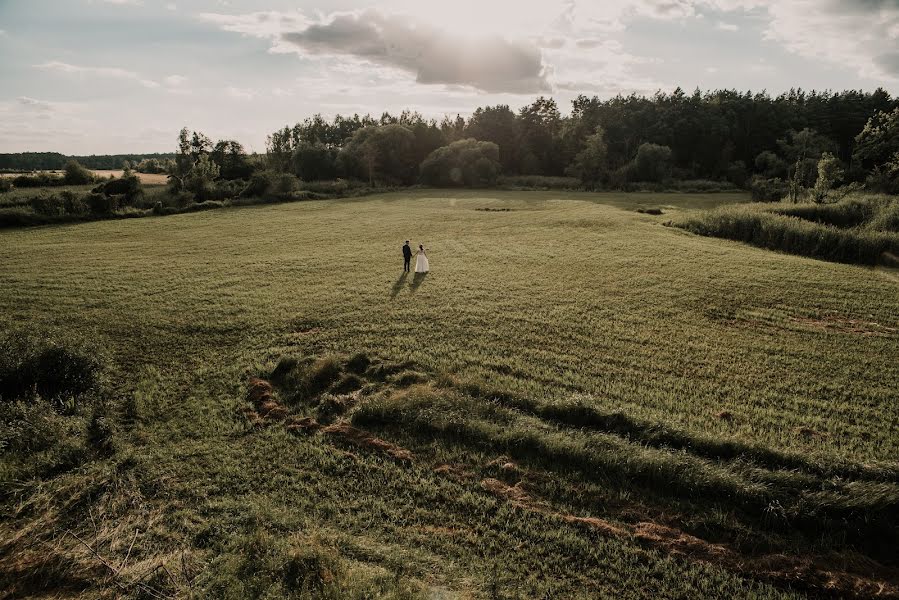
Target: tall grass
{"type": "Point", "coordinates": [856, 230]}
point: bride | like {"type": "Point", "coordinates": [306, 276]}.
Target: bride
{"type": "Point", "coordinates": [421, 261]}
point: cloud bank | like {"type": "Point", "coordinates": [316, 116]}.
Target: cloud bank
{"type": "Point", "coordinates": [490, 63]}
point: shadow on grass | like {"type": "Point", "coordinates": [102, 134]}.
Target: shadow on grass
{"type": "Point", "coordinates": [417, 280]}
{"type": "Point", "coordinates": [398, 284]}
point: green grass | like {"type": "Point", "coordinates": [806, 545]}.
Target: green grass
{"type": "Point", "coordinates": [740, 395]}
{"type": "Point", "coordinates": [861, 229]}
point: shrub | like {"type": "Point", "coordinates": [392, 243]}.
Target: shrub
{"type": "Point", "coordinates": [200, 180]}
{"type": "Point", "coordinates": [768, 190]}
{"type": "Point", "coordinates": [465, 163]}
{"type": "Point", "coordinates": [75, 174]}
{"type": "Point", "coordinates": [830, 171]}
{"type": "Point", "coordinates": [48, 205]}
{"type": "Point", "coordinates": [101, 204]}
{"type": "Point", "coordinates": [52, 205]}
{"type": "Point", "coordinates": [225, 189]}
{"type": "Point", "coordinates": [127, 187]}
{"type": "Point", "coordinates": [652, 163]}
{"type": "Point", "coordinates": [285, 183]}
{"type": "Point", "coordinates": [770, 165]}
{"type": "Point", "coordinates": [701, 186]}
{"type": "Point", "coordinates": [5, 184]}
{"type": "Point", "coordinates": [259, 185]}
{"type": "Point", "coordinates": [887, 218]}
{"type": "Point", "coordinates": [539, 182]}
{"type": "Point", "coordinates": [73, 203]}
{"type": "Point", "coordinates": [38, 180]}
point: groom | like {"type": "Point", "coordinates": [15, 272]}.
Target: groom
{"type": "Point", "coordinates": [407, 256]}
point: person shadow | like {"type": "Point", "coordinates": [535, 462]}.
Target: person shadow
{"type": "Point", "coordinates": [417, 280]}
{"type": "Point", "coordinates": [399, 284]}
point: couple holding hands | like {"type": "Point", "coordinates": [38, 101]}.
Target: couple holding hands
{"type": "Point", "coordinates": [421, 260]}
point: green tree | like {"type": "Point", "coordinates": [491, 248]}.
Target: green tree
{"type": "Point", "coordinates": [591, 163]}
{"type": "Point", "coordinates": [652, 163]}
{"type": "Point", "coordinates": [830, 171]}
{"type": "Point", "coordinates": [314, 161]}
{"type": "Point", "coordinates": [878, 142]}
{"type": "Point", "coordinates": [232, 160]}
{"type": "Point", "coordinates": [201, 178]}
{"type": "Point", "coordinates": [467, 163]}
{"type": "Point", "coordinates": [381, 153]}
{"type": "Point", "coordinates": [497, 124]}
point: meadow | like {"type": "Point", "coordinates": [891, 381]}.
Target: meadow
{"type": "Point", "coordinates": [577, 401]}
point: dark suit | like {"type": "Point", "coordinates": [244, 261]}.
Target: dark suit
{"type": "Point", "coordinates": [407, 256]}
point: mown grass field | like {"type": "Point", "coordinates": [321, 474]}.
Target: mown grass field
{"type": "Point", "coordinates": [595, 365]}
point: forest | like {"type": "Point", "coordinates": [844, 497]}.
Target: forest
{"type": "Point", "coordinates": [803, 146]}
{"type": "Point", "coordinates": [54, 161]}
{"type": "Point", "coordinates": [719, 135]}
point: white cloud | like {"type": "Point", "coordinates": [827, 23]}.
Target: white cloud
{"type": "Point", "coordinates": [175, 80]}
{"type": "Point", "coordinates": [431, 54]}
{"type": "Point", "coordinates": [850, 33]}
{"type": "Point", "coordinates": [2, 32]}
{"type": "Point", "coordinates": [125, 2]}
{"type": "Point", "coordinates": [270, 24]}
{"type": "Point", "coordinates": [171, 6]}
{"type": "Point", "coordinates": [727, 26]}
{"type": "Point", "coordinates": [111, 72]}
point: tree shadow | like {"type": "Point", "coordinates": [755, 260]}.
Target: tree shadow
{"type": "Point", "coordinates": [398, 284]}
{"type": "Point", "coordinates": [417, 280]}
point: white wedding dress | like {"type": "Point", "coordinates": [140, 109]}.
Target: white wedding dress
{"type": "Point", "coordinates": [421, 263]}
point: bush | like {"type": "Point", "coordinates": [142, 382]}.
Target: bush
{"type": "Point", "coordinates": [285, 183]}
{"type": "Point", "coordinates": [701, 186]}
{"type": "Point", "coordinates": [75, 174]}
{"type": "Point", "coordinates": [768, 190]}
{"type": "Point", "coordinates": [5, 184]}
{"type": "Point", "coordinates": [259, 185]}
{"type": "Point", "coordinates": [886, 219]}
{"type": "Point", "coordinates": [101, 204]}
{"type": "Point", "coordinates": [465, 163]}
{"type": "Point", "coordinates": [73, 203]}
{"type": "Point", "coordinates": [48, 205]}
{"type": "Point", "coordinates": [539, 182]}
{"type": "Point", "coordinates": [652, 163]}
{"type": "Point", "coordinates": [128, 188]}
{"type": "Point", "coordinates": [38, 180]}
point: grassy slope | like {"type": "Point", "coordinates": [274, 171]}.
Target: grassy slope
{"type": "Point", "coordinates": [553, 298]}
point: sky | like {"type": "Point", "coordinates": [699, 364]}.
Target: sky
{"type": "Point", "coordinates": [123, 76]}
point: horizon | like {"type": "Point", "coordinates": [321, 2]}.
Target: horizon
{"type": "Point", "coordinates": [465, 114]}
{"type": "Point", "coordinates": [103, 76]}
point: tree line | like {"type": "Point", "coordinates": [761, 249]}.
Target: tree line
{"type": "Point", "coordinates": [723, 135]}
{"type": "Point", "coordinates": [54, 161]}
{"type": "Point", "coordinates": [794, 144]}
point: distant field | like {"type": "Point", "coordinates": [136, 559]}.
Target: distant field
{"type": "Point", "coordinates": [144, 177]}
{"type": "Point", "coordinates": [601, 365]}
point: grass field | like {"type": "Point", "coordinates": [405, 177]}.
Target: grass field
{"type": "Point", "coordinates": [146, 178]}
{"type": "Point", "coordinates": [582, 402]}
